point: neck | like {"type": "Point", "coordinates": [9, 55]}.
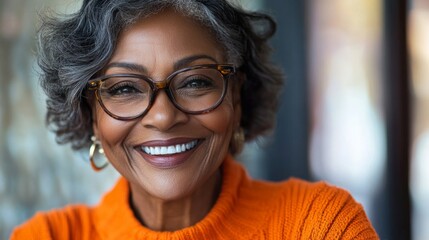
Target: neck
{"type": "Point", "coordinates": [160, 215]}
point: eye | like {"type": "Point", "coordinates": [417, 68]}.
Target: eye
{"type": "Point", "coordinates": [123, 88]}
{"type": "Point", "coordinates": [197, 82]}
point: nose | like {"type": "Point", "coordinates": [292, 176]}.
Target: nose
{"type": "Point", "coordinates": [163, 115]}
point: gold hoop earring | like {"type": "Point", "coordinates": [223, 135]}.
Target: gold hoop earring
{"type": "Point", "coordinates": [95, 151]}
{"type": "Point", "coordinates": [237, 141]}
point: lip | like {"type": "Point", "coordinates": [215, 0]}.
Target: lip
{"type": "Point", "coordinates": [169, 160]}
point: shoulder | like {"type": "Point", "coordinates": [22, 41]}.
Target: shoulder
{"type": "Point", "coordinates": [322, 211]}
{"type": "Point", "coordinates": [55, 224]}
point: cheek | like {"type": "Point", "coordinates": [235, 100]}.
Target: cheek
{"type": "Point", "coordinates": [220, 121]}
{"type": "Point", "coordinates": [109, 130]}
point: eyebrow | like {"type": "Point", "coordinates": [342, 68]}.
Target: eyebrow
{"type": "Point", "coordinates": [128, 66]}
{"type": "Point", "coordinates": [182, 63]}
{"type": "Point", "coordinates": [187, 60]}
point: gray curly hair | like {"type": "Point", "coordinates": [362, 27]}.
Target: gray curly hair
{"type": "Point", "coordinates": [74, 48]}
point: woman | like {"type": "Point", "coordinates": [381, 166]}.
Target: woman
{"type": "Point", "coordinates": [168, 91]}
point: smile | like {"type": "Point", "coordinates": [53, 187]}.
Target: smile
{"type": "Point", "coordinates": [172, 149]}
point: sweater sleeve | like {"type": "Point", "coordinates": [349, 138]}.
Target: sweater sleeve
{"type": "Point", "coordinates": [35, 228]}
{"type": "Point", "coordinates": [72, 222]}
{"type": "Point", "coordinates": [344, 218]}
{"type": "Point", "coordinates": [328, 212]}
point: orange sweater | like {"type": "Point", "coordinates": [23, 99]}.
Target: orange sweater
{"type": "Point", "coordinates": [245, 209]}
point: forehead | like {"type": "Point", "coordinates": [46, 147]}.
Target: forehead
{"type": "Point", "coordinates": [166, 37]}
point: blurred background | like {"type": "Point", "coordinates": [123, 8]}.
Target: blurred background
{"type": "Point", "coordinates": [354, 112]}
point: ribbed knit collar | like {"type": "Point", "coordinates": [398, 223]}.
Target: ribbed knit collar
{"type": "Point", "coordinates": [233, 210]}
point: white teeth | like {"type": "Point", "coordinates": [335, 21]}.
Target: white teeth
{"type": "Point", "coordinates": [173, 149]}
{"type": "Point", "coordinates": [163, 150]}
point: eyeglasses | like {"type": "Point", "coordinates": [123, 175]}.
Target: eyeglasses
{"type": "Point", "coordinates": [193, 90]}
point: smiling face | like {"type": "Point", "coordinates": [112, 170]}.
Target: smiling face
{"type": "Point", "coordinates": [196, 144]}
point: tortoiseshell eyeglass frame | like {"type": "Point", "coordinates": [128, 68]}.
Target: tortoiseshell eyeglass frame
{"type": "Point", "coordinates": [226, 70]}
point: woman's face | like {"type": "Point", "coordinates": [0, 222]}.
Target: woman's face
{"type": "Point", "coordinates": [157, 45]}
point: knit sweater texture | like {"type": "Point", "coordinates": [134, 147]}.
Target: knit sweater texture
{"type": "Point", "coordinates": [245, 209]}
